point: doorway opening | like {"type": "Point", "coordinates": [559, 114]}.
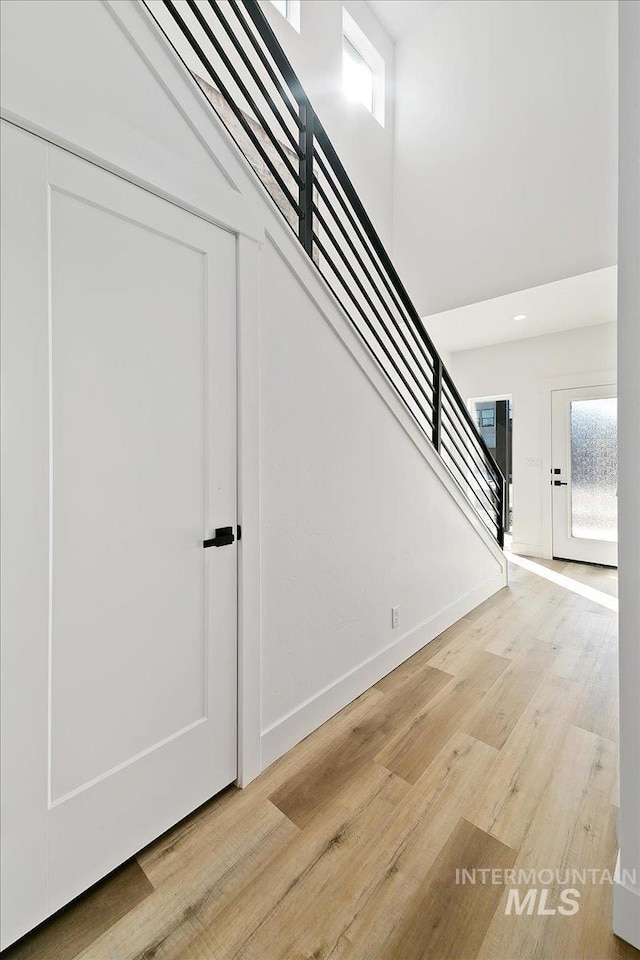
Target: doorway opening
{"type": "Point", "coordinates": [494, 419]}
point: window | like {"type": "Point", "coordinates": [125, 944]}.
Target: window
{"type": "Point", "coordinates": [486, 417]}
{"type": "Point", "coordinates": [357, 75]}
{"type": "Point", "coordinates": [290, 10]}
{"type": "Point", "coordinates": [362, 69]}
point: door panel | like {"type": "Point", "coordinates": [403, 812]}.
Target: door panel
{"type": "Point", "coordinates": [119, 382]}
{"type": "Point", "coordinates": [584, 477]}
{"type": "Point", "coordinates": [128, 475]}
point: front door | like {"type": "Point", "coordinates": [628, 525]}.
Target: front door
{"type": "Point", "coordinates": [119, 628]}
{"type": "Point", "coordinates": [584, 474]}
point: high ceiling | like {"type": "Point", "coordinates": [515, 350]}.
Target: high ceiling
{"type": "Point", "coordinates": [505, 164]}
{"type": "Point", "coordinates": [505, 160]}
{"type": "Point", "coordinates": [398, 17]}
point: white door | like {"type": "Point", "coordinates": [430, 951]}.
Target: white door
{"type": "Point", "coordinates": [118, 453]}
{"type": "Point", "coordinates": [584, 474]}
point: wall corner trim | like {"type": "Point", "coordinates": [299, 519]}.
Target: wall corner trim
{"type": "Point", "coordinates": [626, 910]}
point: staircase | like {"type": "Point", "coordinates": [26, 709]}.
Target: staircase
{"type": "Point", "coordinates": [249, 81]}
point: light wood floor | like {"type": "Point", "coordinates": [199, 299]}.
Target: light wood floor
{"type": "Point", "coordinates": [495, 746]}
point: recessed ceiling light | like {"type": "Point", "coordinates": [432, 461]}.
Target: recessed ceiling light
{"type": "Point", "coordinates": [519, 316]}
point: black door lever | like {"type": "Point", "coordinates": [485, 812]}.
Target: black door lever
{"type": "Point", "coordinates": [560, 483]}
{"type": "Point", "coordinates": [224, 536]}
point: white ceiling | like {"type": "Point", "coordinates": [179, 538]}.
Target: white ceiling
{"type": "Point", "coordinates": [581, 301]}
{"type": "Point", "coordinates": [398, 17]}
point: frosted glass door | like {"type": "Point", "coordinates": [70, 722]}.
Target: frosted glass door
{"type": "Point", "coordinates": [594, 469]}
{"type": "Point", "coordinates": [584, 475]}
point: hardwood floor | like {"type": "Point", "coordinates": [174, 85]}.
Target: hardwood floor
{"type": "Point", "coordinates": [493, 747]}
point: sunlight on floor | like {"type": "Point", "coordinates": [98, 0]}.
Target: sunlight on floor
{"type": "Point", "coordinates": [590, 593]}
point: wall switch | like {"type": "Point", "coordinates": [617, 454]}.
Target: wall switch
{"type": "Point", "coordinates": [395, 617]}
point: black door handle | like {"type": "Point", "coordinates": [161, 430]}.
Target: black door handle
{"type": "Point", "coordinates": [224, 536]}
{"type": "Point", "coordinates": [560, 483]}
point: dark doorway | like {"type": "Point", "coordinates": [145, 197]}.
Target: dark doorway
{"type": "Point", "coordinates": [494, 419]}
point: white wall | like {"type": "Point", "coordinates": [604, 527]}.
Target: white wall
{"type": "Point", "coordinates": [354, 521]}
{"type": "Point", "coordinates": [626, 902]}
{"type": "Point", "coordinates": [528, 370]}
{"type": "Point", "coordinates": [505, 172]}
{"type": "Point", "coordinates": [345, 508]}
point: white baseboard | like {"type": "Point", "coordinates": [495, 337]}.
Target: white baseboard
{"type": "Point", "coordinates": [626, 911]}
{"type": "Point", "coordinates": [306, 718]}
{"type": "Point", "coordinates": [527, 549]}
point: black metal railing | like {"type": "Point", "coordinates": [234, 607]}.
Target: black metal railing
{"type": "Point", "coordinates": [247, 77]}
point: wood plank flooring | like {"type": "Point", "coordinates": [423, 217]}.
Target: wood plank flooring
{"type": "Point", "coordinates": [493, 747]}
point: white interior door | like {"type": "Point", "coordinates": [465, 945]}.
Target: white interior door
{"type": "Point", "coordinates": [118, 453]}
{"type": "Point", "coordinates": [584, 475]}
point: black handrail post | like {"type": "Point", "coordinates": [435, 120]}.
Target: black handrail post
{"type": "Point", "coordinates": [437, 401]}
{"type": "Point", "coordinates": [501, 512]}
{"type": "Point", "coordinates": [305, 221]}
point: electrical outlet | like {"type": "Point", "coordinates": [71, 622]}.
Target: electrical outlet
{"type": "Point", "coordinates": [395, 617]}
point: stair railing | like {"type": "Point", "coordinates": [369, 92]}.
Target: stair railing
{"type": "Point", "coordinates": [249, 80]}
